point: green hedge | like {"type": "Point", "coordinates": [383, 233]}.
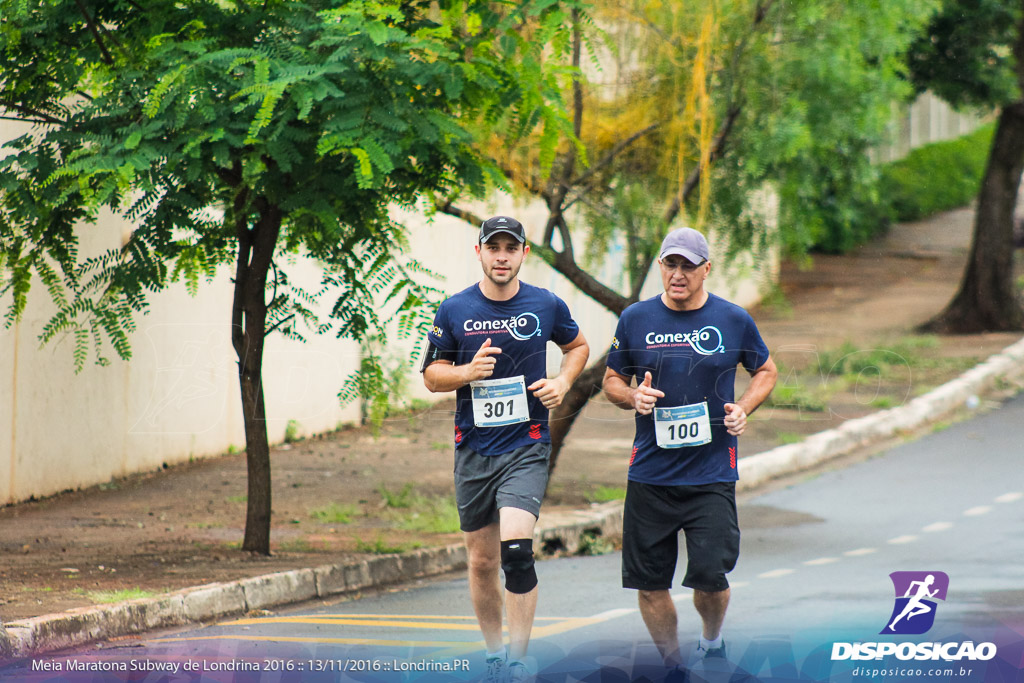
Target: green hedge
{"type": "Point", "coordinates": [936, 177]}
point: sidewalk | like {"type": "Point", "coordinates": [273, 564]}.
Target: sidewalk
{"type": "Point", "coordinates": [174, 534]}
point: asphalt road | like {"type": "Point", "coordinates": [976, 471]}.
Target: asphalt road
{"type": "Point", "coordinates": [814, 571]}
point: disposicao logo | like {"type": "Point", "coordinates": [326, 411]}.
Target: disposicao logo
{"type": "Point", "coordinates": [913, 613]}
{"type": "Point", "coordinates": [916, 593]}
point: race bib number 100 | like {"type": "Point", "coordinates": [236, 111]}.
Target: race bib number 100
{"type": "Point", "coordinates": [682, 426]}
{"type": "Point", "coordinates": [498, 402]}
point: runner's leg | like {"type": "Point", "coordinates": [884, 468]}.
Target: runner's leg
{"type": "Point", "coordinates": [711, 608]}
{"type": "Point", "coordinates": [516, 523]}
{"type": "Point", "coordinates": [483, 550]}
{"type": "Point", "coordinates": [659, 614]}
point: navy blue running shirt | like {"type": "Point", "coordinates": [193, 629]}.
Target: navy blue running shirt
{"type": "Point", "coordinates": [521, 327]}
{"type": "Point", "coordinates": [692, 357]}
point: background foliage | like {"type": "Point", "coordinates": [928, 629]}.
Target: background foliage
{"type": "Point", "coordinates": [936, 177]}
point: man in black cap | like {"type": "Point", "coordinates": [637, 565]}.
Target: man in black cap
{"type": "Point", "coordinates": [683, 347]}
{"type": "Point", "coordinates": [488, 344]}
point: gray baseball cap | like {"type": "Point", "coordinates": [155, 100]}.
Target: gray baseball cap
{"type": "Point", "coordinates": [686, 242]}
{"type": "Point", "coordinates": [497, 224]}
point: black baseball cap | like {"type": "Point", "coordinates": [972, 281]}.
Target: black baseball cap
{"type": "Point", "coordinates": [492, 226]}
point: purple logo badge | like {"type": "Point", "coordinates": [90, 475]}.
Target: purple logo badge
{"type": "Point", "coordinates": [916, 593]}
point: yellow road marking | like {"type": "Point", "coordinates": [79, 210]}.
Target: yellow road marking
{"type": "Point", "coordinates": [353, 622]}
{"type": "Point", "coordinates": [328, 641]}
{"type": "Point", "coordinates": [414, 616]}
{"type": "Point", "coordinates": [365, 620]}
{"type": "Point", "coordinates": [560, 625]}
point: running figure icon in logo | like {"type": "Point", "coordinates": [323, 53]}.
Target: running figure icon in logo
{"type": "Point", "coordinates": [914, 611]}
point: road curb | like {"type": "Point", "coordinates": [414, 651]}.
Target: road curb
{"type": "Point", "coordinates": [558, 531]}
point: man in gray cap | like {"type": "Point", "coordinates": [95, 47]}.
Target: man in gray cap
{"type": "Point", "coordinates": [682, 347]}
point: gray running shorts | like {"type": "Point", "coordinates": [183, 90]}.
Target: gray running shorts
{"type": "Point", "coordinates": [486, 483]}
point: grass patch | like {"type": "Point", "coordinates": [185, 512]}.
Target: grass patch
{"type": "Point", "coordinates": [878, 376]}
{"type": "Point", "coordinates": [790, 437]}
{"type": "Point", "coordinates": [238, 499]}
{"type": "Point", "coordinates": [604, 494]}
{"type": "Point", "coordinates": [333, 513]}
{"type": "Point", "coordinates": [798, 396]}
{"type": "Point", "coordinates": [380, 547]}
{"type": "Point", "coordinates": [400, 499]}
{"type": "Point", "coordinates": [105, 597]}
{"type": "Point", "coordinates": [433, 515]}
{"type": "Point", "coordinates": [292, 432]}
{"type": "Point", "coordinates": [593, 543]}
{"type": "Point", "coordinates": [296, 545]}
{"type": "Point", "coordinates": [883, 402]}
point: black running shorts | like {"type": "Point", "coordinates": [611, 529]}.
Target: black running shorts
{"type": "Point", "coordinates": [653, 517]}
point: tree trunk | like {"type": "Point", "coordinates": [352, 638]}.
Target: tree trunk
{"type": "Point", "coordinates": [586, 386]}
{"type": "Point", "coordinates": [249, 318]}
{"type": "Point", "coordinates": [987, 300]}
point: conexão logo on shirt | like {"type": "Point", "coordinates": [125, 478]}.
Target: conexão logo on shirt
{"type": "Point", "coordinates": [705, 341]}
{"type": "Point", "coordinates": [522, 326]}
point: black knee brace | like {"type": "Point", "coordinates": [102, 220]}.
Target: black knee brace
{"type": "Point", "coordinates": [517, 563]}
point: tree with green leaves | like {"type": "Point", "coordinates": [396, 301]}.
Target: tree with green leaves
{"type": "Point", "coordinates": [236, 133]}
{"type": "Point", "coordinates": [972, 53]}
{"type": "Point", "coordinates": [711, 104]}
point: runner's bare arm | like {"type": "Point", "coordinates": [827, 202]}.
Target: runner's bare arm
{"type": "Point", "coordinates": [443, 375]}
{"type": "Point", "coordinates": [574, 359]}
{"type": "Point", "coordinates": [762, 381]}
{"type": "Point", "coordinates": [641, 399]}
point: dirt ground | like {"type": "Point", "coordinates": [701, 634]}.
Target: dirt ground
{"type": "Point", "coordinates": [342, 494]}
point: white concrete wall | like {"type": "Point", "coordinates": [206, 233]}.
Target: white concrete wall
{"type": "Point", "coordinates": [176, 398]}
{"type": "Point", "coordinates": [927, 119]}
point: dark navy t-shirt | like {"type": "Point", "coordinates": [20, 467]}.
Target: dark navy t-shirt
{"type": "Point", "coordinates": [521, 327]}
{"type": "Point", "coordinates": [692, 357]}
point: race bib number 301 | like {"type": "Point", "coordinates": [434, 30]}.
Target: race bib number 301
{"type": "Point", "coordinates": [681, 426]}
{"type": "Point", "coordinates": [498, 402]}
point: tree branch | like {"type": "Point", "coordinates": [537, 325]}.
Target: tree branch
{"type": "Point", "coordinates": [450, 209]}
{"type": "Point", "coordinates": [563, 263]}
{"type": "Point", "coordinates": [587, 283]}
{"type": "Point", "coordinates": [22, 120]}
{"type": "Point", "coordinates": [278, 324]}
{"type": "Point", "coordinates": [95, 33]}
{"type": "Point", "coordinates": [43, 116]}
{"type": "Point", "coordinates": [761, 11]}
{"type": "Point", "coordinates": [618, 149]}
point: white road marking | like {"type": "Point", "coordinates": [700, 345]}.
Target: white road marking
{"type": "Point", "coordinates": [1011, 497]}
{"type": "Point", "coordinates": [775, 573]}
{"type": "Point", "coordinates": [613, 613]}
{"type": "Point", "coordinates": [938, 526]}
{"type": "Point", "coordinates": [821, 561]}
{"type": "Point", "coordinates": [979, 510]}
{"type": "Point", "coordinates": [860, 551]}
{"type": "Point", "coordinates": [900, 540]}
